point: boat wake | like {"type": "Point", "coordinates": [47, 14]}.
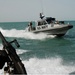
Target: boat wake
{"type": "Point", "coordinates": [46, 66]}
{"type": "Point", "coordinates": [51, 66]}
{"type": "Point", "coordinates": [21, 51]}
{"type": "Point", "coordinates": [26, 35]}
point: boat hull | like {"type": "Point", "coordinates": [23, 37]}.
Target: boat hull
{"type": "Point", "coordinates": [59, 31]}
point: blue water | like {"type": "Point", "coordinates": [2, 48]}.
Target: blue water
{"type": "Point", "coordinates": [42, 54]}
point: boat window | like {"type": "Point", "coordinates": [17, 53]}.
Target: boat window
{"type": "Point", "coordinates": [39, 23]}
{"type": "Point", "coordinates": [50, 19]}
{"type": "Point", "coordinates": [62, 22]}
{"type": "Point", "coordinates": [56, 22]}
{"type": "Point", "coordinates": [42, 23]}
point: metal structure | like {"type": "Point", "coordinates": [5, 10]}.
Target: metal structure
{"type": "Point", "coordinates": [8, 55]}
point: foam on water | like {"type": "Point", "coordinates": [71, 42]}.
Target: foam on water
{"type": "Point", "coordinates": [21, 51]}
{"type": "Point", "coordinates": [46, 66]}
{"type": "Point", "coordinates": [23, 34]}
{"type": "Point", "coordinates": [52, 66]}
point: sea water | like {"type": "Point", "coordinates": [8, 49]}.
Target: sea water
{"type": "Point", "coordinates": [42, 54]}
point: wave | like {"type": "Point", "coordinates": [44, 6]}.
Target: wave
{"type": "Point", "coordinates": [46, 66]}
{"type": "Point", "coordinates": [24, 34]}
{"type": "Point", "coordinates": [52, 66]}
{"type": "Point", "coordinates": [21, 51]}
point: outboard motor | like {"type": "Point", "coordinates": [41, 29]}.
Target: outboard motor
{"type": "Point", "coordinates": [8, 55]}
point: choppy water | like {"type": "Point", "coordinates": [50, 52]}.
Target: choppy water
{"type": "Point", "coordinates": [42, 54]}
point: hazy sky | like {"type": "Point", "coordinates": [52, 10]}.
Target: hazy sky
{"type": "Point", "coordinates": [28, 10]}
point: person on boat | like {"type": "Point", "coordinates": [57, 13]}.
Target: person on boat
{"type": "Point", "coordinates": [57, 22]}
{"type": "Point", "coordinates": [43, 18]}
{"type": "Point", "coordinates": [52, 23]}
{"type": "Point", "coordinates": [30, 26]}
{"type": "Point", "coordinates": [41, 15]}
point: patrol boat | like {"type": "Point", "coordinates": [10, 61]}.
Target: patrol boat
{"type": "Point", "coordinates": [49, 26]}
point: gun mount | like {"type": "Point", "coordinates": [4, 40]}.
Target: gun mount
{"type": "Point", "coordinates": [8, 55]}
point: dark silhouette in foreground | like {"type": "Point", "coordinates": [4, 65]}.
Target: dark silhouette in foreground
{"type": "Point", "coordinates": [8, 55]}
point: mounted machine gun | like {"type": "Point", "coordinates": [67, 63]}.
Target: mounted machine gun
{"type": "Point", "coordinates": [8, 55]}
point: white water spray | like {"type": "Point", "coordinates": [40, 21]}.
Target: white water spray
{"type": "Point", "coordinates": [23, 34]}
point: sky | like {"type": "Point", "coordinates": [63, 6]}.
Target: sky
{"type": "Point", "coordinates": [28, 10]}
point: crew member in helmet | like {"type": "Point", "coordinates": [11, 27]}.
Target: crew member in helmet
{"type": "Point", "coordinates": [30, 26]}
{"type": "Point", "coordinates": [41, 15]}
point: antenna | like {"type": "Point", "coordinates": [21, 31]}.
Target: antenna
{"type": "Point", "coordinates": [41, 1]}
